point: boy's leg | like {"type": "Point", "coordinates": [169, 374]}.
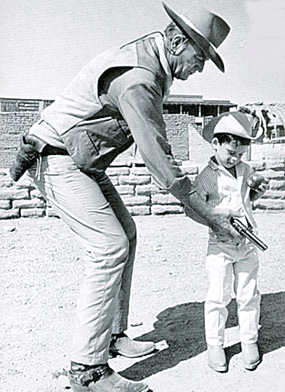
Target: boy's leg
{"type": "Point", "coordinates": [219, 270]}
{"type": "Point", "coordinates": [248, 302]}
{"type": "Point", "coordinates": [247, 294]}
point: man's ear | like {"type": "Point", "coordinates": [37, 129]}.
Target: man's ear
{"type": "Point", "coordinates": [178, 44]}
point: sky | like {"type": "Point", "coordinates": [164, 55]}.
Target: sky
{"type": "Point", "coordinates": [45, 43]}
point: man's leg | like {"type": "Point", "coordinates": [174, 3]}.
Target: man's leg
{"type": "Point", "coordinates": [121, 311]}
{"type": "Point", "coordinates": [120, 343]}
{"type": "Point", "coordinates": [83, 207]}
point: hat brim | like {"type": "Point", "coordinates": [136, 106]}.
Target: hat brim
{"type": "Point", "coordinates": [209, 129]}
{"type": "Point", "coordinates": [201, 41]}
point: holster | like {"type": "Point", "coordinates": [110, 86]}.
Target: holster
{"type": "Point", "coordinates": [28, 153]}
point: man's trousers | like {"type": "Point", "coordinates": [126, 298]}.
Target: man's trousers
{"type": "Point", "coordinates": [96, 215]}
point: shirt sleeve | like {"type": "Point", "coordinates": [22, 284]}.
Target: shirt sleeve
{"type": "Point", "coordinates": [141, 106]}
{"type": "Point", "coordinates": [201, 184]}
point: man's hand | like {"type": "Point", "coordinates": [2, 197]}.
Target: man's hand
{"type": "Point", "coordinates": [219, 222]}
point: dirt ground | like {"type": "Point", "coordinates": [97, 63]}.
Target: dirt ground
{"type": "Point", "coordinates": [40, 270]}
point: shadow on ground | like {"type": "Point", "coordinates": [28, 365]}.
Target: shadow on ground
{"type": "Point", "coordinates": [182, 326]}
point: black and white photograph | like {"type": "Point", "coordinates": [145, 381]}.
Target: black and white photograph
{"type": "Point", "coordinates": [142, 196]}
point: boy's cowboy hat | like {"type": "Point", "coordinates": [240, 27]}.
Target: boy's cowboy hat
{"type": "Point", "coordinates": [234, 123]}
{"type": "Point", "coordinates": [203, 27]}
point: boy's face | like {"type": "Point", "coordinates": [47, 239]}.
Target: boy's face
{"type": "Point", "coordinates": [228, 154]}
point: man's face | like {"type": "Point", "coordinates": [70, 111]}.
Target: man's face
{"type": "Point", "coordinates": [228, 154]}
{"type": "Point", "coordinates": [189, 61]}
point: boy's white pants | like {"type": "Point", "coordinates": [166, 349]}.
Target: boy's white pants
{"type": "Point", "coordinates": [229, 263]}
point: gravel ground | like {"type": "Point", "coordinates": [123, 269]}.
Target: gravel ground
{"type": "Point", "coordinates": [41, 265]}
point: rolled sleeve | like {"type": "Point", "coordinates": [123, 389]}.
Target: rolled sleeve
{"type": "Point", "coordinates": [141, 106]}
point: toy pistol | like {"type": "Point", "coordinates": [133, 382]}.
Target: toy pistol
{"type": "Point", "coordinates": [246, 232]}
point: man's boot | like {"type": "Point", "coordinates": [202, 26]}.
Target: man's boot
{"type": "Point", "coordinates": [121, 344]}
{"type": "Point", "coordinates": [101, 378]}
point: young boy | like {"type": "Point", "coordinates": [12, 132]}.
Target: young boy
{"type": "Point", "coordinates": [223, 184]}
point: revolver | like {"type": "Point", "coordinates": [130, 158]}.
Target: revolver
{"type": "Point", "coordinates": [247, 232]}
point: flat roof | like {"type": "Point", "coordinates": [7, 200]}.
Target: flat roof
{"type": "Point", "coordinates": [196, 99]}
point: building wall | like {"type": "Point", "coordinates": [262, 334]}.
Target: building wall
{"type": "Point", "coordinates": [137, 189]}
{"type": "Point", "coordinates": [12, 126]}
{"type": "Point", "coordinates": [128, 173]}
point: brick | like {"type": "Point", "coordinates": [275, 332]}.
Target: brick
{"type": "Point", "coordinates": [125, 189]}
{"type": "Point", "coordinates": [33, 203]}
{"type": "Point", "coordinates": [25, 182]}
{"type": "Point", "coordinates": [269, 204]}
{"type": "Point", "coordinates": [257, 165]}
{"type": "Point", "coordinates": [164, 199]}
{"type": "Point", "coordinates": [5, 204]}
{"type": "Point", "coordinates": [136, 200]}
{"type": "Point", "coordinates": [14, 194]}
{"type": "Point", "coordinates": [273, 174]}
{"type": "Point", "coordinates": [118, 171]}
{"type": "Point", "coordinates": [139, 171]}
{"type": "Point", "coordinates": [275, 185]}
{"type": "Point", "coordinates": [36, 193]}
{"type": "Point", "coordinates": [275, 165]}
{"type": "Point", "coordinates": [134, 180]}
{"type": "Point", "coordinates": [51, 212]}
{"type": "Point", "coordinates": [146, 189]}
{"type": "Point", "coordinates": [166, 209]}
{"type": "Point", "coordinates": [33, 212]}
{"type": "Point", "coordinates": [9, 214]}
{"type": "Point", "coordinates": [274, 195]}
{"type": "Point", "coordinates": [6, 182]}
{"type": "Point", "coordinates": [139, 210]}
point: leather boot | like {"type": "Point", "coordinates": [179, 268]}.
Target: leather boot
{"type": "Point", "coordinates": [121, 344]}
{"type": "Point", "coordinates": [101, 378]}
{"type": "Point", "coordinates": [250, 355]}
{"type": "Point", "coordinates": [217, 358]}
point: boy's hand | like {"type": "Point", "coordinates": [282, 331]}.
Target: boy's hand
{"type": "Point", "coordinates": [256, 193]}
{"type": "Point", "coordinates": [220, 224]}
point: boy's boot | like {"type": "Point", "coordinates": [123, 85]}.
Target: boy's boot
{"type": "Point", "coordinates": [217, 358]}
{"type": "Point", "coordinates": [250, 355]}
{"type": "Point", "coordinates": [121, 344]}
{"type": "Point", "coordinates": [101, 378]}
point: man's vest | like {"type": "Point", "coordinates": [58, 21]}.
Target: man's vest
{"type": "Point", "coordinates": [92, 136]}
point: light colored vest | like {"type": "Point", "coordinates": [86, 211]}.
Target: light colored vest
{"type": "Point", "coordinates": [80, 100]}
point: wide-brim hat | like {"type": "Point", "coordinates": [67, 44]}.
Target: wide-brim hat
{"type": "Point", "coordinates": [203, 27]}
{"type": "Point", "coordinates": [234, 123]}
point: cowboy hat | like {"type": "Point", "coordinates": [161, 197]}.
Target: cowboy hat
{"type": "Point", "coordinates": [234, 123]}
{"type": "Point", "coordinates": [203, 27]}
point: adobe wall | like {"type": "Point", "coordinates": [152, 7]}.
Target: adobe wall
{"type": "Point", "coordinates": [128, 173]}
{"type": "Point", "coordinates": [12, 126]}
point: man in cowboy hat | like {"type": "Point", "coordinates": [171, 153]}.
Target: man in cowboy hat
{"type": "Point", "coordinates": [114, 101]}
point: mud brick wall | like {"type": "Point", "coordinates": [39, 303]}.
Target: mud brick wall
{"type": "Point", "coordinates": [129, 175]}
{"type": "Point", "coordinates": [137, 189]}
{"type": "Point", "coordinates": [132, 181]}
{"type": "Point", "coordinates": [12, 126]}
{"type": "Point", "coordinates": [178, 135]}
